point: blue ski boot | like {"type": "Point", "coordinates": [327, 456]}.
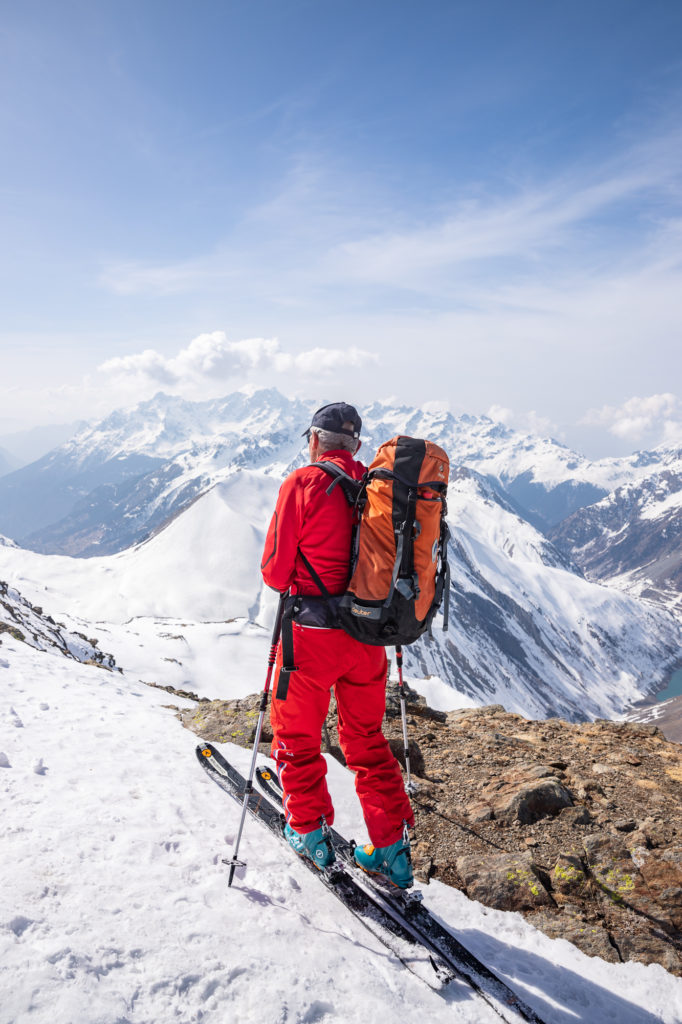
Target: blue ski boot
{"type": "Point", "coordinates": [317, 846]}
{"type": "Point", "coordinates": [390, 862]}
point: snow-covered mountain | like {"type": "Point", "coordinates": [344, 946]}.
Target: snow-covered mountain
{"type": "Point", "coordinates": [529, 631]}
{"type": "Point", "coordinates": [632, 538]}
{"type": "Point", "coordinates": [526, 630]}
{"type": "Point", "coordinates": [116, 482]}
{"type": "Point", "coordinates": [113, 483]}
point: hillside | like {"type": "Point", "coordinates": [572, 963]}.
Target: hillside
{"type": "Point", "coordinates": [526, 630]}
{"type": "Point", "coordinates": [125, 913]}
{"type": "Point", "coordinates": [579, 827]}
{"type": "Point", "coordinates": [632, 538]}
{"type": "Point", "coordinates": [118, 480]}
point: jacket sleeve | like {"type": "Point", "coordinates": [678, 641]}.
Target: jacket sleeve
{"type": "Point", "coordinates": [281, 543]}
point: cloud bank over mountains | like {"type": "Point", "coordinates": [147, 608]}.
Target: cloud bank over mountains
{"type": "Point", "coordinates": [641, 419]}
{"type": "Point", "coordinates": [211, 357]}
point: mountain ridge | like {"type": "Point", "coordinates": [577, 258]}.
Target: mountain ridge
{"type": "Point", "coordinates": [114, 482]}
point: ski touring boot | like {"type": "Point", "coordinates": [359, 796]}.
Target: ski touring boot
{"type": "Point", "coordinates": [316, 846]}
{"type": "Point", "coordinates": [392, 863]}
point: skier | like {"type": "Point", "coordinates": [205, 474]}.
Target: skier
{"type": "Point", "coordinates": [307, 553]}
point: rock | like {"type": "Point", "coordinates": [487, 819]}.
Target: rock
{"type": "Point", "coordinates": [591, 937]}
{"type": "Point", "coordinates": [604, 769]}
{"type": "Point", "coordinates": [519, 798]}
{"type": "Point", "coordinates": [422, 861]}
{"type": "Point", "coordinates": [655, 832]}
{"type": "Point", "coordinates": [4, 760]}
{"type": "Point", "coordinates": [625, 825]}
{"type": "Point", "coordinates": [663, 875]}
{"type": "Point", "coordinates": [651, 947]}
{"type": "Point", "coordinates": [568, 877]}
{"type": "Point", "coordinates": [506, 881]}
{"type": "Point", "coordinates": [479, 811]}
{"type": "Point", "coordinates": [577, 815]}
{"type": "Point", "coordinates": [619, 878]}
{"type": "Point", "coordinates": [416, 756]}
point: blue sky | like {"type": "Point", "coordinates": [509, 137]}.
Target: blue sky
{"type": "Point", "coordinates": [477, 203]}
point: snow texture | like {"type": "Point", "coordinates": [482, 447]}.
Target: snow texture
{"type": "Point", "coordinates": [114, 905]}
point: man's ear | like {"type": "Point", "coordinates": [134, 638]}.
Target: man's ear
{"type": "Point", "coordinates": [314, 446]}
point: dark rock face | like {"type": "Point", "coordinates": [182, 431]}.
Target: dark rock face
{"type": "Point", "coordinates": [578, 826]}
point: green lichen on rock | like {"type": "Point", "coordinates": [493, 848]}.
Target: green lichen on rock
{"type": "Point", "coordinates": [13, 631]}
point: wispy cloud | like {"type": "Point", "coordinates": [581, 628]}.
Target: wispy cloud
{"type": "Point", "coordinates": [319, 232]}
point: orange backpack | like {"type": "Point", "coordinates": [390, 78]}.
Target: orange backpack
{"type": "Point", "coordinates": [399, 567]}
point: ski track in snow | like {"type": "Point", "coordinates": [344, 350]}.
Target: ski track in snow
{"type": "Point", "coordinates": [114, 907]}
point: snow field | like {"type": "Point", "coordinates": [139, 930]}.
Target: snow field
{"type": "Point", "coordinates": [114, 907]}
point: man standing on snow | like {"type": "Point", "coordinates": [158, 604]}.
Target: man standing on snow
{"type": "Point", "coordinates": [307, 552]}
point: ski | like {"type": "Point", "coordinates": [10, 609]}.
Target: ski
{"type": "Point", "coordinates": [406, 907]}
{"type": "Point", "coordinates": [424, 963]}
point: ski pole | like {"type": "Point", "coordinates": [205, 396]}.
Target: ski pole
{"type": "Point", "coordinates": [410, 787]}
{"type": "Point", "coordinates": [235, 863]}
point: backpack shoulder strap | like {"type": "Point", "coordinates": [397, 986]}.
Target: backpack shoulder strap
{"type": "Point", "coordinates": [351, 487]}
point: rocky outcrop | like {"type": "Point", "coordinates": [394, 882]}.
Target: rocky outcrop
{"type": "Point", "coordinates": [29, 624]}
{"type": "Point", "coordinates": [667, 715]}
{"type": "Point", "coordinates": [577, 826]}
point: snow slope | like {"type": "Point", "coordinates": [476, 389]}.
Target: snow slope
{"type": "Point", "coordinates": [203, 566]}
{"type": "Point", "coordinates": [526, 631]}
{"type": "Point", "coordinates": [114, 905]}
{"type": "Point", "coordinates": [529, 633]}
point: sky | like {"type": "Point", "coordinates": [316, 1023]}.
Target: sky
{"type": "Point", "coordinates": [477, 203]}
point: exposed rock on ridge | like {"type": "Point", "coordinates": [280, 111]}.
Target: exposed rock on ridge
{"type": "Point", "coordinates": [579, 827]}
{"type": "Point", "coordinates": [29, 624]}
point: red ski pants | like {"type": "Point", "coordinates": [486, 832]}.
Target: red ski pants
{"type": "Point", "coordinates": [327, 658]}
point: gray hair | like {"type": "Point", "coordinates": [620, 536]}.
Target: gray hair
{"type": "Point", "coordinates": [329, 440]}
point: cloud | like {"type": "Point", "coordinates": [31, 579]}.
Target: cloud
{"type": "Point", "coordinates": [213, 358]}
{"type": "Point", "coordinates": [638, 418]}
{"type": "Point", "coordinates": [500, 414]}
{"type": "Point", "coordinates": [527, 422]}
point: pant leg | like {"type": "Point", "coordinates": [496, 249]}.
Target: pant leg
{"type": "Point", "coordinates": [361, 700]}
{"type": "Point", "coordinates": [297, 728]}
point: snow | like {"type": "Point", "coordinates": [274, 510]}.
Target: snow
{"type": "Point", "coordinates": [658, 509]}
{"type": "Point", "coordinates": [114, 906]}
{"type": "Point", "coordinates": [203, 566]}
{"type": "Point", "coordinates": [187, 608]}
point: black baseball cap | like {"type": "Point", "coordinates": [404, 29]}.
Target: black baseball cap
{"type": "Point", "coordinates": [332, 417]}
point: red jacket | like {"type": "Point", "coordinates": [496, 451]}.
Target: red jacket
{"type": "Point", "coordinates": [318, 524]}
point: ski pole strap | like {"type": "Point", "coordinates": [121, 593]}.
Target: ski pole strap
{"type": "Point", "coordinates": [291, 607]}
